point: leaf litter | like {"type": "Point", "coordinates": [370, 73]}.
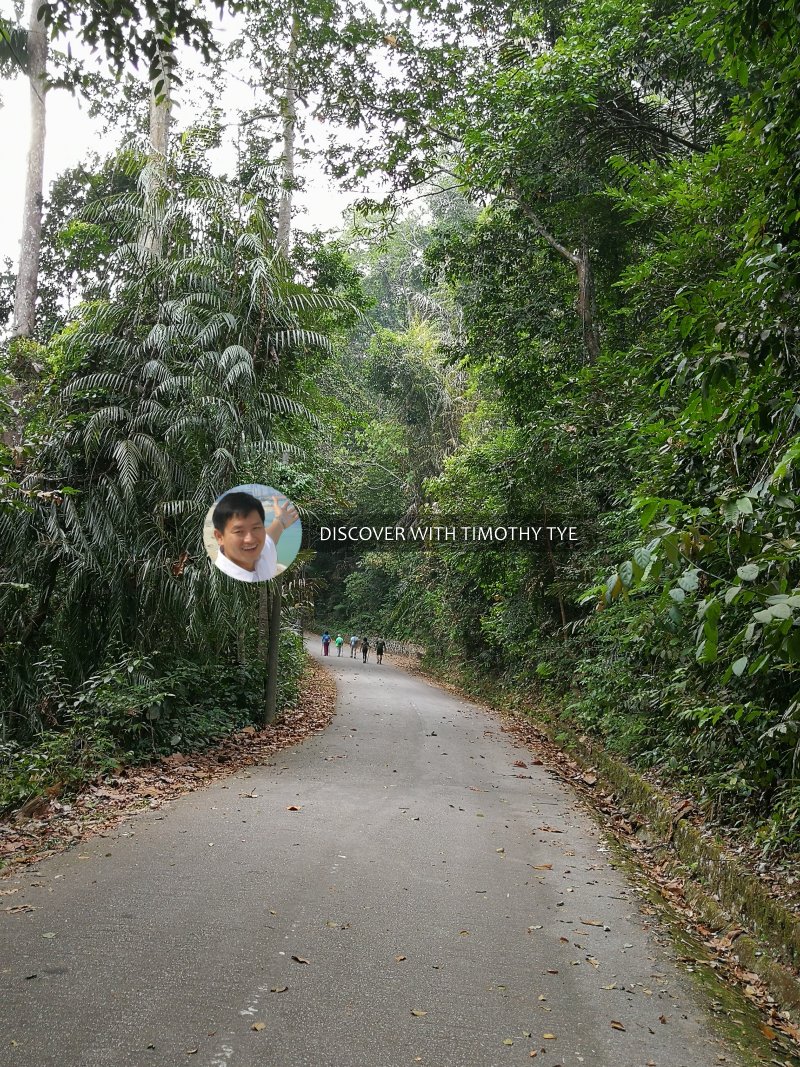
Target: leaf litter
{"type": "Point", "coordinates": [112, 799]}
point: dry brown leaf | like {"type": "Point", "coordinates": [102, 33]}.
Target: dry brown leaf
{"type": "Point", "coordinates": [418, 1012]}
{"type": "Point", "coordinates": [399, 959]}
{"type": "Point", "coordinates": [300, 959]}
{"type": "Point", "coordinates": [615, 1025]}
{"type": "Point", "coordinates": [519, 763]}
{"type": "Point", "coordinates": [294, 807]}
{"type": "Point", "coordinates": [591, 922]}
{"type": "Point", "coordinates": [542, 866]}
{"type": "Point", "coordinates": [548, 1037]}
{"type": "Point", "coordinates": [258, 1026]}
{"type": "Point", "coordinates": [279, 989]}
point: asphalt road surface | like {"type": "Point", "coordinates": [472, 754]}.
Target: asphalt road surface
{"type": "Point", "coordinates": [425, 905]}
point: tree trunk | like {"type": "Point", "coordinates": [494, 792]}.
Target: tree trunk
{"type": "Point", "coordinates": [28, 277]}
{"type": "Point", "coordinates": [160, 117]}
{"type": "Point", "coordinates": [587, 305]}
{"type": "Point", "coordinates": [270, 602]}
{"type": "Point", "coordinates": [276, 599]}
{"type": "Point", "coordinates": [289, 115]}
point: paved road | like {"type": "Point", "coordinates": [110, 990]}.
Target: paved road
{"type": "Point", "coordinates": [421, 875]}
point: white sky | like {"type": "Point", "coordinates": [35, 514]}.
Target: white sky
{"type": "Point", "coordinates": [72, 135]}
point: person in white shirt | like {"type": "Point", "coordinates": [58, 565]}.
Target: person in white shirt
{"type": "Point", "coordinates": [247, 547]}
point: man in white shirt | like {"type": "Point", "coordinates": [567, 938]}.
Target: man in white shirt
{"type": "Point", "coordinates": [247, 548]}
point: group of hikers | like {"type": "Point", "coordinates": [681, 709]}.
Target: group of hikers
{"type": "Point", "coordinates": [357, 644]}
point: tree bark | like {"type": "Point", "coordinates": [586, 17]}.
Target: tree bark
{"type": "Point", "coordinates": [30, 244]}
{"type": "Point", "coordinates": [289, 115]}
{"type": "Point", "coordinates": [271, 601]}
{"type": "Point", "coordinates": [160, 118]}
{"type": "Point", "coordinates": [587, 304]}
{"type": "Point", "coordinates": [276, 601]}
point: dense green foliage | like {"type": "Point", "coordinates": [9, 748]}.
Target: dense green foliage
{"type": "Point", "coordinates": [671, 165]}
{"type": "Point", "coordinates": [593, 317]}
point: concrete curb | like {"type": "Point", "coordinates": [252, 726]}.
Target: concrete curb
{"type": "Point", "coordinates": [722, 892]}
{"type": "Point", "coordinates": [718, 887]}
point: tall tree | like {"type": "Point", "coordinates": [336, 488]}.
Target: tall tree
{"type": "Point", "coordinates": [30, 244]}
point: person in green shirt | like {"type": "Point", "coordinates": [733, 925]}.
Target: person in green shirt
{"type": "Point", "coordinates": [339, 643]}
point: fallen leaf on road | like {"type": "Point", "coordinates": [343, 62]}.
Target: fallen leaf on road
{"type": "Point", "coordinates": [551, 830]}
{"type": "Point", "coordinates": [250, 796]}
{"type": "Point", "coordinates": [508, 1041]}
{"type": "Point", "coordinates": [548, 1037]}
{"type": "Point", "coordinates": [192, 1051]}
{"type": "Point", "coordinates": [612, 986]}
{"type": "Point", "coordinates": [48, 935]}
{"type": "Point", "coordinates": [591, 922]}
{"type": "Point", "coordinates": [300, 959]}
{"type": "Point", "coordinates": [279, 989]}
{"type": "Point", "coordinates": [258, 1026]}
{"type": "Point", "coordinates": [418, 1013]}
{"type": "Point", "coordinates": [399, 959]}
{"type": "Point", "coordinates": [767, 1031]}
{"type": "Point", "coordinates": [464, 933]}
{"type": "Point", "coordinates": [519, 763]}
{"type": "Point", "coordinates": [542, 866]}
{"type": "Point", "coordinates": [616, 1025]}
{"type": "Point", "coordinates": [294, 807]}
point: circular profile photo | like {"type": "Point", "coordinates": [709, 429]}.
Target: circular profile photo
{"type": "Point", "coordinates": [252, 533]}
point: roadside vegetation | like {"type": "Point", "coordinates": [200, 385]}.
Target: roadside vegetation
{"type": "Point", "coordinates": [586, 310]}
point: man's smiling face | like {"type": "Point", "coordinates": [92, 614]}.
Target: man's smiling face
{"type": "Point", "coordinates": [242, 539]}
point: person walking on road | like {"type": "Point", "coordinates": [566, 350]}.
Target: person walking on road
{"type": "Point", "coordinates": [380, 645]}
{"type": "Point", "coordinates": [326, 640]}
{"type": "Point", "coordinates": [339, 643]}
{"type": "Point", "coordinates": [365, 648]}
{"type": "Point", "coordinates": [353, 646]}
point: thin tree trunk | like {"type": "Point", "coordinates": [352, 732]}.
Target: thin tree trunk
{"type": "Point", "coordinates": [276, 600]}
{"type": "Point", "coordinates": [28, 277]}
{"type": "Point", "coordinates": [271, 601]}
{"type": "Point", "coordinates": [289, 115]}
{"type": "Point", "coordinates": [586, 305]}
{"type": "Point", "coordinates": [160, 118]}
